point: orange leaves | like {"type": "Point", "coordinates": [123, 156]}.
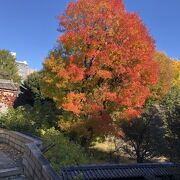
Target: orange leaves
{"type": "Point", "coordinates": [72, 72]}
{"type": "Point", "coordinates": [94, 107]}
{"type": "Point", "coordinates": [127, 101]}
{"type": "Point", "coordinates": [75, 73]}
{"type": "Point", "coordinates": [107, 58]}
{"type": "Point", "coordinates": [91, 53]}
{"type": "Point", "coordinates": [74, 102]}
{"type": "Point", "coordinates": [120, 70]}
{"type": "Point", "coordinates": [104, 74]}
{"type": "Point", "coordinates": [132, 113]}
{"type": "Point", "coordinates": [111, 96]}
{"type": "Point", "coordinates": [103, 94]}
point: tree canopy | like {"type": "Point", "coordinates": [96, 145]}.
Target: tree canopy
{"type": "Point", "coordinates": [171, 108]}
{"type": "Point", "coordinates": [8, 68]}
{"type": "Point", "coordinates": [166, 75]}
{"type": "Point", "coordinates": [106, 63]}
{"type": "Point", "coordinates": [176, 66]}
{"type": "Point", "coordinates": [143, 138]}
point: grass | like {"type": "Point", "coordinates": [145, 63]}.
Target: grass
{"type": "Point", "coordinates": [103, 153]}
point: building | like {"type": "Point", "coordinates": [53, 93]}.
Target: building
{"type": "Point", "coordinates": [8, 94]}
{"type": "Point", "coordinates": [8, 89]}
{"type": "Point", "coordinates": [24, 69]}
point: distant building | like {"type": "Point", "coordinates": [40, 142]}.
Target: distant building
{"type": "Point", "coordinates": [14, 54]}
{"type": "Point", "coordinates": [24, 69]}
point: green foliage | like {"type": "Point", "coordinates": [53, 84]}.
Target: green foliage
{"type": "Point", "coordinates": [42, 110]}
{"type": "Point", "coordinates": [31, 90]}
{"type": "Point", "coordinates": [33, 84]}
{"type": "Point", "coordinates": [171, 109]}
{"type": "Point", "coordinates": [17, 120]}
{"type": "Point", "coordinates": [45, 114]}
{"type": "Point", "coordinates": [30, 118]}
{"type": "Point", "coordinates": [8, 68]}
{"type": "Point", "coordinates": [143, 137]}
{"type": "Point", "coordinates": [85, 131]}
{"type": "Point", "coordinates": [64, 152]}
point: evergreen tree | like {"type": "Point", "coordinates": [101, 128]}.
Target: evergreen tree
{"type": "Point", "coordinates": [8, 68]}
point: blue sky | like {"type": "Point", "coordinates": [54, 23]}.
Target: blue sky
{"type": "Point", "coordinates": [29, 27]}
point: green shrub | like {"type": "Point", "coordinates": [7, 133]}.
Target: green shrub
{"type": "Point", "coordinates": [44, 114]}
{"type": "Point", "coordinates": [30, 118]}
{"type": "Point", "coordinates": [64, 152]}
{"type": "Point", "coordinates": [17, 120]}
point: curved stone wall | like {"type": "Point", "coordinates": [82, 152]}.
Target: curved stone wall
{"type": "Point", "coordinates": [36, 166]}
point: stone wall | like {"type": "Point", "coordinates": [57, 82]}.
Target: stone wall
{"type": "Point", "coordinates": [36, 166]}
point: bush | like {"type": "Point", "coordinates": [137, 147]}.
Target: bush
{"type": "Point", "coordinates": [64, 152]}
{"type": "Point", "coordinates": [17, 120]}
{"type": "Point", "coordinates": [29, 119]}
{"type": "Point", "coordinates": [45, 114]}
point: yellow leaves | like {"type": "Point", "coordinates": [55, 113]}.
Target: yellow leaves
{"type": "Point", "coordinates": [59, 85]}
{"type": "Point", "coordinates": [65, 125]}
{"type": "Point", "coordinates": [176, 67]}
{"type": "Point", "coordinates": [49, 81]}
{"type": "Point", "coordinates": [53, 63]}
{"type": "Point", "coordinates": [165, 77]}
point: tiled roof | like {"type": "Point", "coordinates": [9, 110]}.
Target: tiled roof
{"type": "Point", "coordinates": [129, 171]}
{"type": "Point", "coordinates": [7, 85]}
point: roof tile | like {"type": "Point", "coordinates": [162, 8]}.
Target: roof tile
{"type": "Point", "coordinates": [122, 171]}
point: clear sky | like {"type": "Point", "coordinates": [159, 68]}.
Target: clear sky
{"type": "Point", "coordinates": [29, 27]}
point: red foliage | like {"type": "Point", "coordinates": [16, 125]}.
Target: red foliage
{"type": "Point", "coordinates": [7, 98]}
{"type": "Point", "coordinates": [111, 67]}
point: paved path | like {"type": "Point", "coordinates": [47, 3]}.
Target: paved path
{"type": "Point", "coordinates": [4, 160]}
{"type": "Point", "coordinates": [10, 163]}
{"type": "Point", "coordinates": [9, 157]}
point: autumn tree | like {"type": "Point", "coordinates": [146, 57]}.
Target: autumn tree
{"type": "Point", "coordinates": [105, 64]}
{"type": "Point", "coordinates": [176, 67]}
{"type": "Point", "coordinates": [8, 68]}
{"type": "Point", "coordinates": [166, 76]}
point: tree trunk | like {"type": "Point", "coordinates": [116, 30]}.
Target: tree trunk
{"type": "Point", "coordinates": [139, 158]}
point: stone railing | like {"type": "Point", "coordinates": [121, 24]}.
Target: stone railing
{"type": "Point", "coordinates": [35, 165]}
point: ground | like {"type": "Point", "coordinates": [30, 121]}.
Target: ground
{"type": "Point", "coordinates": [9, 157]}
